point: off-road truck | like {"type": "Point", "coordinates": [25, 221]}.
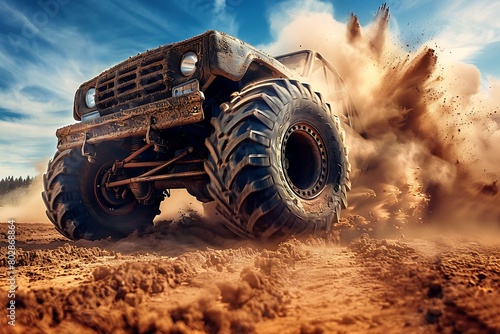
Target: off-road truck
{"type": "Point", "coordinates": [217, 117]}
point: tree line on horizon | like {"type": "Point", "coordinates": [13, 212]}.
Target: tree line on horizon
{"type": "Point", "coordinates": [10, 183]}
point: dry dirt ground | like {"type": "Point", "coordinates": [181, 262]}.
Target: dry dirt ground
{"type": "Point", "coordinates": [180, 277]}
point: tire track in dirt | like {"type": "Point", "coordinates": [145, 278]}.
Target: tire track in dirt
{"type": "Point", "coordinates": [451, 283]}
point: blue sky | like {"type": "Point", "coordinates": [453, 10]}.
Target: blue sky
{"type": "Point", "coordinates": [49, 47]}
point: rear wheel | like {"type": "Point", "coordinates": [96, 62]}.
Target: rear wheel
{"type": "Point", "coordinates": [277, 162]}
{"type": "Point", "coordinates": [80, 205]}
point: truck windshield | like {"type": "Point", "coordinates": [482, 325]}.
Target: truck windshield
{"type": "Point", "coordinates": [296, 62]}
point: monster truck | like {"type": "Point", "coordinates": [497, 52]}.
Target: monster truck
{"type": "Point", "coordinates": [217, 117]}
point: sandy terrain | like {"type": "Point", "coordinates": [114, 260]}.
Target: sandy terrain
{"type": "Point", "coordinates": [181, 278]}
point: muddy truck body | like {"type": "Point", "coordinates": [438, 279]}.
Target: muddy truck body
{"type": "Point", "coordinates": [217, 117]}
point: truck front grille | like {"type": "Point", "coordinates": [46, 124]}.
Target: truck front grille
{"type": "Point", "coordinates": [134, 83]}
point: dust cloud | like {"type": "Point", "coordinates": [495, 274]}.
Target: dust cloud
{"type": "Point", "coordinates": [26, 205]}
{"type": "Point", "coordinates": [177, 204]}
{"type": "Point", "coordinates": [428, 152]}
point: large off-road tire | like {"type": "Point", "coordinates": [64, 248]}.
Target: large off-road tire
{"type": "Point", "coordinates": [277, 161]}
{"type": "Point", "coordinates": [81, 207]}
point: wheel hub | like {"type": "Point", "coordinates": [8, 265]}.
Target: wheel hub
{"type": "Point", "coordinates": [304, 160]}
{"type": "Point", "coordinates": [119, 200]}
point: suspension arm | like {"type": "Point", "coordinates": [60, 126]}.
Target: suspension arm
{"type": "Point", "coordinates": [181, 175]}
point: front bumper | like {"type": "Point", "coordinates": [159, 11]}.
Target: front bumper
{"type": "Point", "coordinates": [169, 113]}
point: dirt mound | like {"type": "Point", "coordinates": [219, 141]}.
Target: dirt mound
{"type": "Point", "coordinates": [52, 257]}
{"type": "Point", "coordinates": [232, 290]}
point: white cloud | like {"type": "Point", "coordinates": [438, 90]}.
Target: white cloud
{"type": "Point", "coordinates": [15, 14]}
{"type": "Point", "coordinates": [284, 12]}
{"type": "Point", "coordinates": [401, 6]}
{"type": "Point", "coordinates": [219, 5]}
{"type": "Point", "coordinates": [215, 14]}
{"type": "Point", "coordinates": [30, 143]}
{"type": "Point", "coordinates": [222, 19]}
{"type": "Point", "coordinates": [472, 26]}
{"type": "Point", "coordinates": [140, 16]}
{"type": "Point", "coordinates": [51, 64]}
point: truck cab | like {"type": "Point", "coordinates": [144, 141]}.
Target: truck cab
{"type": "Point", "coordinates": [312, 67]}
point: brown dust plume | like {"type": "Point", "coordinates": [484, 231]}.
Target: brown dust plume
{"type": "Point", "coordinates": [429, 152]}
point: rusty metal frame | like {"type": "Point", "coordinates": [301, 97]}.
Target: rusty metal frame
{"type": "Point", "coordinates": [142, 164]}
{"type": "Point", "coordinates": [145, 176]}
{"type": "Point", "coordinates": [138, 179]}
{"type": "Point", "coordinates": [172, 112]}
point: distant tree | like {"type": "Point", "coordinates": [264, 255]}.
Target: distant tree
{"type": "Point", "coordinates": [9, 183]}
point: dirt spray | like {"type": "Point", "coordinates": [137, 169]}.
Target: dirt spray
{"type": "Point", "coordinates": [431, 130]}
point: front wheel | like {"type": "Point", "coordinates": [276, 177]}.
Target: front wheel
{"type": "Point", "coordinates": [80, 205]}
{"type": "Point", "coordinates": [277, 162]}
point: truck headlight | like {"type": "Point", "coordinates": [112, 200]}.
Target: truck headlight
{"type": "Point", "coordinates": [188, 63]}
{"type": "Point", "coordinates": [90, 98]}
